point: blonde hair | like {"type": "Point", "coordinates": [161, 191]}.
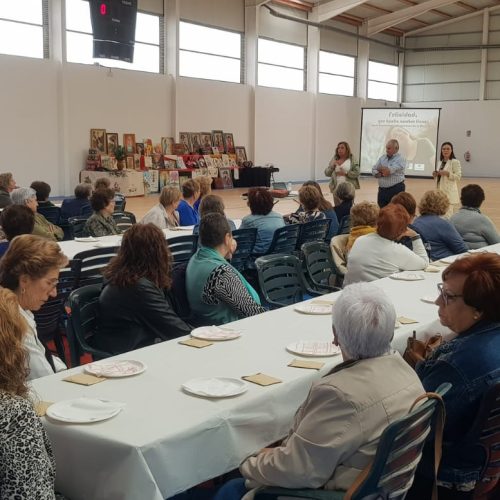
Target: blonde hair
{"type": "Point", "coordinates": [364, 214]}
{"type": "Point", "coordinates": [205, 183]}
{"type": "Point", "coordinates": [434, 203]}
{"type": "Point", "coordinates": [169, 195]}
{"type": "Point", "coordinates": [14, 368]}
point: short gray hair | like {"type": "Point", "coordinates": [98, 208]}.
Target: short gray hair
{"type": "Point", "coordinates": [363, 318]}
{"type": "Point", "coordinates": [393, 142]}
{"type": "Point", "coordinates": [345, 191]}
{"type": "Point", "coordinates": [21, 195]}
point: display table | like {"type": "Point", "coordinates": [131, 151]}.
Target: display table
{"type": "Point", "coordinates": [256, 176]}
{"type": "Point", "coordinates": [127, 182]}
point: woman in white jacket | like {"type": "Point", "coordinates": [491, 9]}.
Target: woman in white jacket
{"type": "Point", "coordinates": [448, 173]}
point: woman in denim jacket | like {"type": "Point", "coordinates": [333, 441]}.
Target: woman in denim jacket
{"type": "Point", "coordinates": [469, 304]}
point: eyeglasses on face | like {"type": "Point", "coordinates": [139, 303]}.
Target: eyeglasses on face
{"type": "Point", "coordinates": [447, 297]}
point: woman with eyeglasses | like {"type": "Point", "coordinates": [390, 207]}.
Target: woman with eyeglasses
{"type": "Point", "coordinates": [30, 268]}
{"type": "Point", "coordinates": [469, 304]}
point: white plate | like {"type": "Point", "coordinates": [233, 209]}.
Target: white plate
{"type": "Point", "coordinates": [86, 239]}
{"type": "Point", "coordinates": [215, 333]}
{"type": "Point", "coordinates": [84, 410]}
{"type": "Point", "coordinates": [428, 299]}
{"type": "Point", "coordinates": [115, 369]}
{"type": "Point", "coordinates": [314, 348]}
{"type": "Point", "coordinates": [310, 308]}
{"type": "Point", "coordinates": [215, 387]}
{"type": "Point", "coordinates": [407, 276]}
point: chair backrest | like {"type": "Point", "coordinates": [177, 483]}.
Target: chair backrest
{"type": "Point", "coordinates": [245, 238]}
{"type": "Point", "coordinates": [398, 453]}
{"type": "Point", "coordinates": [182, 247]}
{"type": "Point", "coordinates": [486, 429]}
{"type": "Point", "coordinates": [120, 202]}
{"type": "Point", "coordinates": [52, 214]}
{"type": "Point", "coordinates": [83, 317]}
{"type": "Point", "coordinates": [87, 265]}
{"type": "Point", "coordinates": [280, 279]}
{"type": "Point", "coordinates": [284, 239]}
{"type": "Point", "coordinates": [124, 220]}
{"type": "Point", "coordinates": [77, 224]}
{"type": "Point", "coordinates": [315, 230]}
{"type": "Point", "coordinates": [345, 225]}
{"type": "Point", "coordinates": [320, 268]}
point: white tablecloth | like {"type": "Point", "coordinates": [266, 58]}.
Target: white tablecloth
{"type": "Point", "coordinates": [165, 440]}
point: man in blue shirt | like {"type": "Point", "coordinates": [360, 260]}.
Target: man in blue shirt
{"type": "Point", "coordinates": [390, 172]}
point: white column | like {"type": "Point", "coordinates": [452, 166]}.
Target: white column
{"type": "Point", "coordinates": [484, 55]}
{"type": "Point", "coordinates": [362, 63]}
{"type": "Point", "coordinates": [313, 47]}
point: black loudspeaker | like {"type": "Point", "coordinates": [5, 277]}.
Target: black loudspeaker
{"type": "Point", "coordinates": [113, 28]}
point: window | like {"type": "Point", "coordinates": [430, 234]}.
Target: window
{"type": "Point", "coordinates": [79, 43]}
{"type": "Point", "coordinates": [382, 81]}
{"type": "Point", "coordinates": [24, 28]}
{"type": "Point", "coordinates": [280, 65]}
{"type": "Point", "coordinates": [336, 74]}
{"type": "Point", "coordinates": [210, 53]}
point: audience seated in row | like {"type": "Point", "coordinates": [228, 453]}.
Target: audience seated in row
{"type": "Point", "coordinates": [335, 432]}
{"type": "Point", "coordinates": [27, 197]}
{"type": "Point", "coordinates": [440, 236]}
{"type": "Point", "coordinates": [188, 215]}
{"type": "Point", "coordinates": [164, 215]}
{"type": "Point", "coordinates": [7, 185]}
{"type": "Point", "coordinates": [407, 201]}
{"type": "Point", "coordinates": [79, 205]}
{"type": "Point", "coordinates": [262, 217]}
{"type": "Point", "coordinates": [101, 222]}
{"type": "Point", "coordinates": [105, 183]}
{"type": "Point", "coordinates": [205, 184]}
{"type": "Point", "coordinates": [344, 199]}
{"type": "Point", "coordinates": [15, 220]}
{"type": "Point", "coordinates": [42, 190]}
{"type": "Point", "coordinates": [476, 229]}
{"type": "Point", "coordinates": [27, 468]}
{"type": "Point", "coordinates": [212, 203]}
{"type": "Point", "coordinates": [378, 255]}
{"type": "Point", "coordinates": [30, 268]}
{"type": "Point", "coordinates": [135, 307]}
{"type": "Point", "coordinates": [310, 200]}
{"type": "Point", "coordinates": [216, 291]}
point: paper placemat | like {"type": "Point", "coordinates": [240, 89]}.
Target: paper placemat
{"type": "Point", "coordinates": [432, 269]}
{"type": "Point", "coordinates": [262, 379]}
{"type": "Point", "coordinates": [406, 321]}
{"type": "Point", "coordinates": [302, 363]}
{"type": "Point", "coordinates": [84, 379]}
{"type": "Point", "coordinates": [41, 407]}
{"type": "Point", "coordinates": [195, 343]}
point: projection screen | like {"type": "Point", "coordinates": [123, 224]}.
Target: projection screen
{"type": "Point", "coordinates": [415, 129]}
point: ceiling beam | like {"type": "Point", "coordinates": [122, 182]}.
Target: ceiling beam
{"type": "Point", "coordinates": [381, 23]}
{"type": "Point", "coordinates": [334, 8]}
{"type": "Point", "coordinates": [436, 11]}
{"type": "Point", "coordinates": [296, 4]}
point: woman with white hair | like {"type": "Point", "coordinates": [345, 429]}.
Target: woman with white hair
{"type": "Point", "coordinates": [43, 228]}
{"type": "Point", "coordinates": [335, 432]}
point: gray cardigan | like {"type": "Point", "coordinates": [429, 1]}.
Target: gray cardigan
{"type": "Point", "coordinates": [476, 229]}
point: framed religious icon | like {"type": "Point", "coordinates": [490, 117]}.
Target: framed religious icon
{"type": "Point", "coordinates": [166, 145]}
{"type": "Point", "coordinates": [218, 140]}
{"type": "Point", "coordinates": [184, 139]}
{"type": "Point", "coordinates": [195, 140]}
{"type": "Point", "coordinates": [111, 142]}
{"type": "Point", "coordinates": [241, 154]}
{"type": "Point", "coordinates": [225, 174]}
{"type": "Point", "coordinates": [139, 148]}
{"type": "Point", "coordinates": [228, 143]}
{"type": "Point", "coordinates": [98, 140]}
{"type": "Point", "coordinates": [206, 142]}
{"type": "Point", "coordinates": [129, 143]}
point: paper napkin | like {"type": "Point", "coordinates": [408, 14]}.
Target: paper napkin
{"type": "Point", "coordinates": [195, 343]}
{"type": "Point", "coordinates": [41, 407]}
{"type": "Point", "coordinates": [406, 321]}
{"type": "Point", "coordinates": [302, 363]}
{"type": "Point", "coordinates": [262, 379]}
{"type": "Point", "coordinates": [84, 379]}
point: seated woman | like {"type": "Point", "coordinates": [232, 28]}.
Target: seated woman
{"type": "Point", "coordinates": [105, 183]}
{"type": "Point", "coordinates": [469, 304]}
{"type": "Point", "coordinates": [101, 223]}
{"type": "Point", "coordinates": [335, 432]}
{"type": "Point", "coordinates": [216, 291]}
{"type": "Point", "coordinates": [327, 208]}
{"type": "Point", "coordinates": [30, 268]}
{"type": "Point", "coordinates": [164, 215]}
{"type": "Point", "coordinates": [27, 468]}
{"type": "Point", "coordinates": [42, 193]}
{"type": "Point", "coordinates": [43, 228]}
{"type": "Point", "coordinates": [187, 213]}
{"type": "Point", "coordinates": [205, 183]}
{"type": "Point", "coordinates": [262, 217]}
{"type": "Point", "coordinates": [15, 220]}
{"type": "Point", "coordinates": [377, 255]}
{"type": "Point", "coordinates": [135, 307]}
{"type": "Point", "coordinates": [212, 203]}
{"type": "Point", "coordinates": [476, 229]}
{"type": "Point", "coordinates": [79, 205]}
{"type": "Point", "coordinates": [344, 199]}
{"type": "Point", "coordinates": [310, 200]}
{"type": "Point", "coordinates": [440, 236]}
{"type": "Point", "coordinates": [407, 201]}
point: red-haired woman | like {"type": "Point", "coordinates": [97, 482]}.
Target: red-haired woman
{"type": "Point", "coordinates": [135, 306]}
{"type": "Point", "coordinates": [378, 254]}
{"type": "Point", "coordinates": [469, 304]}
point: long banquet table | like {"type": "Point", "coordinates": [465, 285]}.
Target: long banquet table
{"type": "Point", "coordinates": [165, 441]}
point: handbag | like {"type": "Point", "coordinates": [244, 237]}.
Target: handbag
{"type": "Point", "coordinates": [419, 350]}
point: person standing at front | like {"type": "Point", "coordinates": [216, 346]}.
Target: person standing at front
{"type": "Point", "coordinates": [390, 172]}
